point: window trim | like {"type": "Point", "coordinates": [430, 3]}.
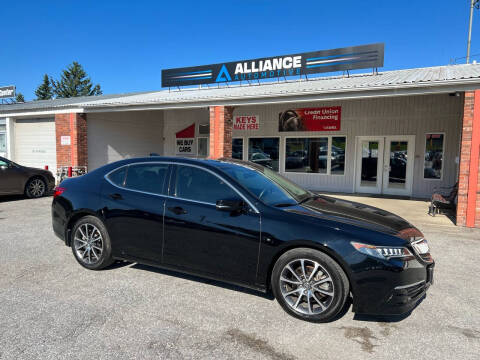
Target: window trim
{"type": "Point", "coordinates": [329, 154]}
{"type": "Point", "coordinates": [424, 150]}
{"type": "Point", "coordinates": [172, 166]}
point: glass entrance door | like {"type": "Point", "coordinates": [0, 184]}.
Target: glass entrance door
{"type": "Point", "coordinates": [398, 165]}
{"type": "Point", "coordinates": [385, 165]}
{"type": "Point", "coordinates": [369, 165]}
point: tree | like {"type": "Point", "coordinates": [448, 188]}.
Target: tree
{"type": "Point", "coordinates": [19, 98]}
{"type": "Point", "coordinates": [74, 82]}
{"type": "Point", "coordinates": [44, 90]}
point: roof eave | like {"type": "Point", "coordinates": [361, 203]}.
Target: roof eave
{"type": "Point", "coordinates": [331, 95]}
{"type": "Point", "coordinates": [405, 89]}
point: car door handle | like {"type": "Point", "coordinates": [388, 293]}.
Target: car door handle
{"type": "Point", "coordinates": [116, 196]}
{"type": "Point", "coordinates": [177, 210]}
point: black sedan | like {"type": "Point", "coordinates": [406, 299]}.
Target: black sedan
{"type": "Point", "coordinates": [245, 224]}
{"type": "Point", "coordinates": [18, 179]}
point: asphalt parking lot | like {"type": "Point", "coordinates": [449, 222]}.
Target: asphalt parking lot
{"type": "Point", "coordinates": [52, 308]}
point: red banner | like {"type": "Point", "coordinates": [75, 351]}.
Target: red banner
{"type": "Point", "coordinates": [311, 119]}
{"type": "Point", "coordinates": [188, 132]}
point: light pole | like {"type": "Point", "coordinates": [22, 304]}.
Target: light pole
{"type": "Point", "coordinates": [474, 3]}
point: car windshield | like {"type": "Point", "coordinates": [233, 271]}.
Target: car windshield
{"type": "Point", "coordinates": [267, 185]}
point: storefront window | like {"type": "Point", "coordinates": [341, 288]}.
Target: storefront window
{"type": "Point", "coordinates": [264, 151]}
{"type": "Point", "coordinates": [204, 129]}
{"type": "Point", "coordinates": [237, 149]}
{"type": "Point", "coordinates": [433, 165]}
{"type": "Point", "coordinates": [309, 155]}
{"type": "Point", "coordinates": [203, 148]}
{"type": "Point", "coordinates": [338, 155]}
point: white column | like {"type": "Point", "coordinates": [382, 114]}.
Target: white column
{"type": "Point", "coordinates": [10, 136]}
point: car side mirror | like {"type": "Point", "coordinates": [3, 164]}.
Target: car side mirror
{"type": "Point", "coordinates": [230, 205]}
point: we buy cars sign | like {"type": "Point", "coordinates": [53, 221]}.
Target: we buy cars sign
{"type": "Point", "coordinates": [185, 141]}
{"type": "Point", "coordinates": [246, 122]}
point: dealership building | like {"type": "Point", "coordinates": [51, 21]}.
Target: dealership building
{"type": "Point", "coordinates": [401, 132]}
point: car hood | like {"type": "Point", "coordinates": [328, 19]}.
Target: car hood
{"type": "Point", "coordinates": [354, 213]}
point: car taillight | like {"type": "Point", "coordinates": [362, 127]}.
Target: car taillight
{"type": "Point", "coordinates": [58, 191]}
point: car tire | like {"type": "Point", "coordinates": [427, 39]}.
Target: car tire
{"type": "Point", "coordinates": [310, 285]}
{"type": "Point", "coordinates": [35, 188]}
{"type": "Point", "coordinates": [91, 244]}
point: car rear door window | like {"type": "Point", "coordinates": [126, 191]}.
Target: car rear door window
{"type": "Point", "coordinates": [193, 183]}
{"type": "Point", "coordinates": [147, 178]}
{"type": "Point", "coordinates": [118, 176]}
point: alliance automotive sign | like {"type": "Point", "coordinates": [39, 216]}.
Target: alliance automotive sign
{"type": "Point", "coordinates": [349, 58]}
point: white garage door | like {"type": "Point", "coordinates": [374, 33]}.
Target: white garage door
{"type": "Point", "coordinates": [122, 135]}
{"type": "Point", "coordinates": [35, 143]}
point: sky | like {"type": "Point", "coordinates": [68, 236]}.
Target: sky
{"type": "Point", "coordinates": [124, 45]}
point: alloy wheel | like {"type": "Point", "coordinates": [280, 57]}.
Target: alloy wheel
{"type": "Point", "coordinates": [306, 286]}
{"type": "Point", "coordinates": [36, 188]}
{"type": "Point", "coordinates": [88, 243]}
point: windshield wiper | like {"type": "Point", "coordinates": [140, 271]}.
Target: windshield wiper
{"type": "Point", "coordinates": [310, 197]}
{"type": "Point", "coordinates": [284, 204]}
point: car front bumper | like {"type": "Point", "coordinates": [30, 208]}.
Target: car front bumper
{"type": "Point", "coordinates": [394, 289]}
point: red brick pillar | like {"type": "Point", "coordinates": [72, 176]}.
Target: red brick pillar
{"type": "Point", "coordinates": [221, 120]}
{"type": "Point", "coordinates": [71, 125]}
{"type": "Point", "coordinates": [468, 207]}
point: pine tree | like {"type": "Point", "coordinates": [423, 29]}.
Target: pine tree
{"type": "Point", "coordinates": [19, 98]}
{"type": "Point", "coordinates": [44, 90]}
{"type": "Point", "coordinates": [74, 82]}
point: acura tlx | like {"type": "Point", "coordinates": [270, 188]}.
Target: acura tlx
{"type": "Point", "coordinates": [242, 223]}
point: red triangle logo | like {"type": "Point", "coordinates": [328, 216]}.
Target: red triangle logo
{"type": "Point", "coordinates": [188, 132]}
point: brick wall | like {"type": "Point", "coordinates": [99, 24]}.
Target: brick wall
{"type": "Point", "coordinates": [468, 207]}
{"type": "Point", "coordinates": [221, 122]}
{"type": "Point", "coordinates": [75, 126]}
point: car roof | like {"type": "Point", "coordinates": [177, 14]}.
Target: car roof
{"type": "Point", "coordinates": [208, 163]}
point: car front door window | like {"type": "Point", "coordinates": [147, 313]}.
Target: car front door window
{"type": "Point", "coordinates": [199, 185]}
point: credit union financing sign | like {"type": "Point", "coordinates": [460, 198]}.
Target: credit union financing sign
{"type": "Point", "coordinates": [349, 58]}
{"type": "Point", "coordinates": [310, 119]}
{"type": "Point", "coordinates": [7, 92]}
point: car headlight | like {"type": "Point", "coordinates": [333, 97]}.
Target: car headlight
{"type": "Point", "coordinates": [383, 252]}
